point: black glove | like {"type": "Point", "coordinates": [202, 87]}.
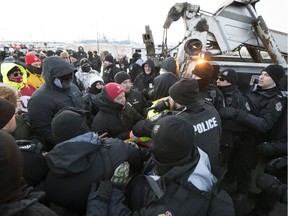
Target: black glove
{"type": "Point", "coordinates": [161, 105]}
{"type": "Point", "coordinates": [241, 114]}
{"type": "Point", "coordinates": [227, 113]}
{"type": "Point", "coordinates": [267, 182]}
{"type": "Point", "coordinates": [270, 149]}
{"type": "Point", "coordinates": [277, 165]}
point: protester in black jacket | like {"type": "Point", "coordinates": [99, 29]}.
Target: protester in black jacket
{"type": "Point", "coordinates": [133, 97]}
{"type": "Point", "coordinates": [56, 93]}
{"type": "Point", "coordinates": [110, 69]}
{"type": "Point", "coordinates": [16, 198]}
{"type": "Point", "coordinates": [81, 53]}
{"type": "Point", "coordinates": [144, 81]}
{"type": "Point", "coordinates": [135, 67]}
{"type": "Point", "coordinates": [116, 117]}
{"type": "Point", "coordinates": [81, 158]}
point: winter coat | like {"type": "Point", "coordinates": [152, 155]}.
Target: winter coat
{"type": "Point", "coordinates": [16, 198]}
{"type": "Point", "coordinates": [162, 83]}
{"type": "Point", "coordinates": [189, 189]}
{"type": "Point", "coordinates": [28, 205]}
{"type": "Point", "coordinates": [206, 122]}
{"type": "Point", "coordinates": [136, 100]}
{"type": "Point", "coordinates": [49, 99]}
{"type": "Point", "coordinates": [135, 68]}
{"type": "Point", "coordinates": [213, 95]}
{"type": "Point", "coordinates": [231, 128]}
{"type": "Point", "coordinates": [25, 89]}
{"type": "Point", "coordinates": [35, 166]}
{"type": "Point", "coordinates": [145, 82]}
{"type": "Point", "coordinates": [77, 163]}
{"type": "Point", "coordinates": [36, 80]}
{"type": "Point", "coordinates": [267, 107]}
{"type": "Point", "coordinates": [109, 73]}
{"type": "Point", "coordinates": [115, 119]}
{"type": "Point", "coordinates": [83, 78]}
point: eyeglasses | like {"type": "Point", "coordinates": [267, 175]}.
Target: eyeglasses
{"type": "Point", "coordinates": [221, 79]}
{"type": "Point", "coordinates": [17, 73]}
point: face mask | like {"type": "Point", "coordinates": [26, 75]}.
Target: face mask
{"type": "Point", "coordinates": [34, 70]}
{"type": "Point", "coordinates": [17, 79]}
{"type": "Point", "coordinates": [85, 68]}
{"type": "Point", "coordinates": [65, 84]}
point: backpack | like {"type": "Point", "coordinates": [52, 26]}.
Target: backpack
{"type": "Point", "coordinates": [176, 196]}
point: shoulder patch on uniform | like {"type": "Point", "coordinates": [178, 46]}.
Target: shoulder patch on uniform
{"type": "Point", "coordinates": [247, 106]}
{"type": "Point", "coordinates": [278, 106]}
{"type": "Point", "coordinates": [156, 128]}
{"type": "Point", "coordinates": [167, 213]}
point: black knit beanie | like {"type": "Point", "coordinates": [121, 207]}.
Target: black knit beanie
{"type": "Point", "coordinates": [7, 111]}
{"type": "Point", "coordinates": [121, 76]}
{"type": "Point", "coordinates": [83, 61]}
{"type": "Point", "coordinates": [69, 122]}
{"type": "Point", "coordinates": [109, 58]}
{"type": "Point", "coordinates": [173, 138]}
{"type": "Point", "coordinates": [169, 65]}
{"type": "Point", "coordinates": [230, 75]}
{"type": "Point", "coordinates": [184, 91]}
{"type": "Point", "coordinates": [205, 72]}
{"type": "Point", "coordinates": [276, 72]}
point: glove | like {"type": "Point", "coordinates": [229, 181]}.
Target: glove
{"type": "Point", "coordinates": [228, 113]}
{"type": "Point", "coordinates": [240, 115]}
{"type": "Point", "coordinates": [270, 149]}
{"type": "Point", "coordinates": [121, 174]}
{"type": "Point", "coordinates": [266, 182]}
{"type": "Point", "coordinates": [277, 165]}
{"type": "Point", "coordinates": [161, 105]}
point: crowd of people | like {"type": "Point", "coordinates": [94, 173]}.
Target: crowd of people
{"type": "Point", "coordinates": [87, 134]}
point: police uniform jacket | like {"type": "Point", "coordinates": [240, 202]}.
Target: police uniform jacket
{"type": "Point", "coordinates": [206, 122]}
{"type": "Point", "coordinates": [230, 127]}
{"type": "Point", "coordinates": [267, 107]}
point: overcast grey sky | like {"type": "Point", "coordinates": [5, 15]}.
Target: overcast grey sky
{"type": "Point", "coordinates": [68, 20]}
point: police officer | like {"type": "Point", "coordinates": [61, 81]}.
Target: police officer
{"type": "Point", "coordinates": [201, 114]}
{"type": "Point", "coordinates": [203, 73]}
{"type": "Point", "coordinates": [267, 106]}
{"type": "Point", "coordinates": [237, 145]}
